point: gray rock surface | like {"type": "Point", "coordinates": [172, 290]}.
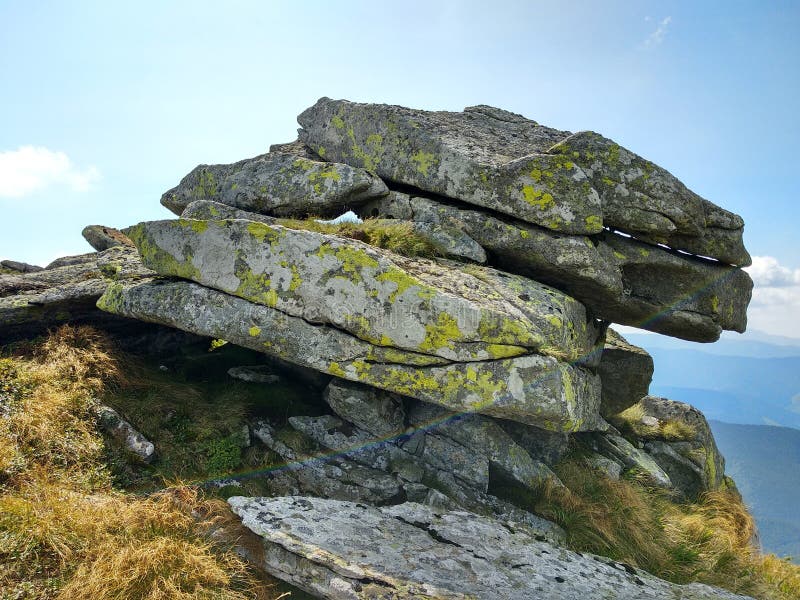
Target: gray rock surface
{"type": "Point", "coordinates": [278, 183]}
{"type": "Point", "coordinates": [539, 390]}
{"type": "Point", "coordinates": [618, 449]}
{"type": "Point", "coordinates": [433, 308]}
{"type": "Point", "coordinates": [19, 267]}
{"type": "Point", "coordinates": [374, 411]}
{"type": "Point", "coordinates": [449, 241]}
{"type": "Point", "coordinates": [343, 550]}
{"type": "Point", "coordinates": [625, 374]}
{"type": "Point", "coordinates": [695, 462]}
{"type": "Point", "coordinates": [618, 279]}
{"type": "Point", "coordinates": [101, 237]}
{"type": "Point", "coordinates": [502, 161]}
{"type": "Point", "coordinates": [32, 302]}
{"type": "Point", "coordinates": [121, 430]}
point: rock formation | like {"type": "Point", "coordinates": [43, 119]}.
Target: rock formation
{"type": "Point", "coordinates": [461, 334]}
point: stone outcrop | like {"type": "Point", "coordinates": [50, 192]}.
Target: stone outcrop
{"type": "Point", "coordinates": [618, 278]}
{"type": "Point", "coordinates": [334, 549]}
{"type": "Point", "coordinates": [572, 183]}
{"type": "Point", "coordinates": [125, 434]}
{"type": "Point", "coordinates": [532, 388]}
{"type": "Point", "coordinates": [463, 360]}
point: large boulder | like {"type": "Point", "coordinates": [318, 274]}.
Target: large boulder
{"type": "Point", "coordinates": [102, 238]}
{"type": "Point", "coordinates": [277, 183]}
{"type": "Point", "coordinates": [618, 278]}
{"type": "Point", "coordinates": [343, 550]}
{"type": "Point", "coordinates": [462, 313]}
{"type": "Point", "coordinates": [502, 161]}
{"type": "Point", "coordinates": [625, 374]}
{"type": "Point", "coordinates": [531, 388]}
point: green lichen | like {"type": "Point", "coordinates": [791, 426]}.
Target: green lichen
{"type": "Point", "coordinates": [538, 198]}
{"type": "Point", "coordinates": [337, 122]}
{"type": "Point", "coordinates": [444, 333]}
{"type": "Point", "coordinates": [424, 161]}
{"type": "Point", "coordinates": [254, 331]}
{"type": "Point", "coordinates": [594, 223]}
{"type": "Point", "coordinates": [206, 186]}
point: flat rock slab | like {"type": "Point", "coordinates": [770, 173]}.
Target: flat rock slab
{"type": "Point", "coordinates": [277, 183]}
{"type": "Point", "coordinates": [445, 310]}
{"type": "Point", "coordinates": [534, 389]}
{"type": "Point", "coordinates": [342, 550]}
{"type": "Point", "coordinates": [573, 183]}
{"type": "Point", "coordinates": [618, 278]}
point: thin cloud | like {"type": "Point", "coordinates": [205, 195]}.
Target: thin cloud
{"type": "Point", "coordinates": [767, 271]}
{"type": "Point", "coordinates": [29, 169]}
{"type": "Point", "coordinates": [655, 38]}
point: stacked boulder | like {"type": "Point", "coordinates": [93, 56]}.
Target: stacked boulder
{"type": "Point", "coordinates": [468, 370]}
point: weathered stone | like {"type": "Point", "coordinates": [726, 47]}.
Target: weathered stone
{"type": "Point", "coordinates": [278, 183]}
{"type": "Point", "coordinates": [618, 278]}
{"type": "Point", "coordinates": [339, 550]}
{"type": "Point", "coordinates": [699, 465]}
{"type": "Point", "coordinates": [483, 437]}
{"type": "Point", "coordinates": [649, 202]}
{"type": "Point", "coordinates": [101, 237]}
{"type": "Point", "coordinates": [20, 267]}
{"type": "Point", "coordinates": [30, 303]}
{"type": "Point", "coordinates": [548, 447]}
{"type": "Point", "coordinates": [497, 163]}
{"type": "Point", "coordinates": [449, 241]}
{"type": "Point", "coordinates": [625, 374]}
{"type": "Point", "coordinates": [622, 451]}
{"type": "Point", "coordinates": [326, 476]}
{"type": "Point", "coordinates": [502, 161]}
{"type": "Point", "coordinates": [121, 430]}
{"type": "Point", "coordinates": [534, 389]}
{"type": "Point", "coordinates": [254, 374]}
{"type": "Point", "coordinates": [440, 309]}
{"type": "Point", "coordinates": [610, 468]}
{"type": "Point", "coordinates": [372, 410]}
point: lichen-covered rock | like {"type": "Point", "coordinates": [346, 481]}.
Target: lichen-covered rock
{"type": "Point", "coordinates": [277, 183]}
{"type": "Point", "coordinates": [444, 310]}
{"type": "Point", "coordinates": [534, 389]}
{"type": "Point", "coordinates": [617, 278]}
{"type": "Point", "coordinates": [344, 550]}
{"type": "Point", "coordinates": [489, 158]}
{"type": "Point", "coordinates": [625, 374]}
{"type": "Point", "coordinates": [502, 161]}
{"type": "Point", "coordinates": [545, 446]}
{"type": "Point", "coordinates": [618, 449]}
{"type": "Point", "coordinates": [649, 202]}
{"type": "Point", "coordinates": [102, 238]}
{"type": "Point", "coordinates": [32, 302]}
{"type": "Point", "coordinates": [692, 460]}
{"type": "Point", "coordinates": [449, 241]}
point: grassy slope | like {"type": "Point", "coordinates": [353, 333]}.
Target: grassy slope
{"type": "Point", "coordinates": [68, 531]}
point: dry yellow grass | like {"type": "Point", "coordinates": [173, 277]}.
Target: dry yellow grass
{"type": "Point", "coordinates": [64, 532]}
{"type": "Point", "coordinates": [708, 540]}
{"type": "Point", "coordinates": [629, 421]}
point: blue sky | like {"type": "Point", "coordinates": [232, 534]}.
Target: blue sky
{"type": "Point", "coordinates": [105, 105]}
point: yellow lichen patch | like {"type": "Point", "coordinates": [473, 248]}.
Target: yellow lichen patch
{"type": "Point", "coordinates": [254, 331]}
{"type": "Point", "coordinates": [538, 198]}
{"type": "Point", "coordinates": [403, 281]}
{"type": "Point", "coordinates": [424, 161]}
{"type": "Point", "coordinates": [497, 351]}
{"type": "Point", "coordinates": [263, 232]}
{"type": "Point", "coordinates": [555, 321]}
{"type": "Point", "coordinates": [337, 122]}
{"type": "Point", "coordinates": [442, 334]}
{"type": "Point", "coordinates": [594, 222]}
{"type": "Point", "coordinates": [335, 369]}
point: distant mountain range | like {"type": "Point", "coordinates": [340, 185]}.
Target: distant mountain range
{"type": "Point", "coordinates": [748, 386]}
{"type": "Point", "coordinates": [765, 463]}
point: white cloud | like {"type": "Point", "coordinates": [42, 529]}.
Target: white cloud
{"type": "Point", "coordinates": [655, 38]}
{"type": "Point", "coordinates": [767, 271]}
{"type": "Point", "coordinates": [29, 169]}
{"type": "Point", "coordinates": [775, 306]}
